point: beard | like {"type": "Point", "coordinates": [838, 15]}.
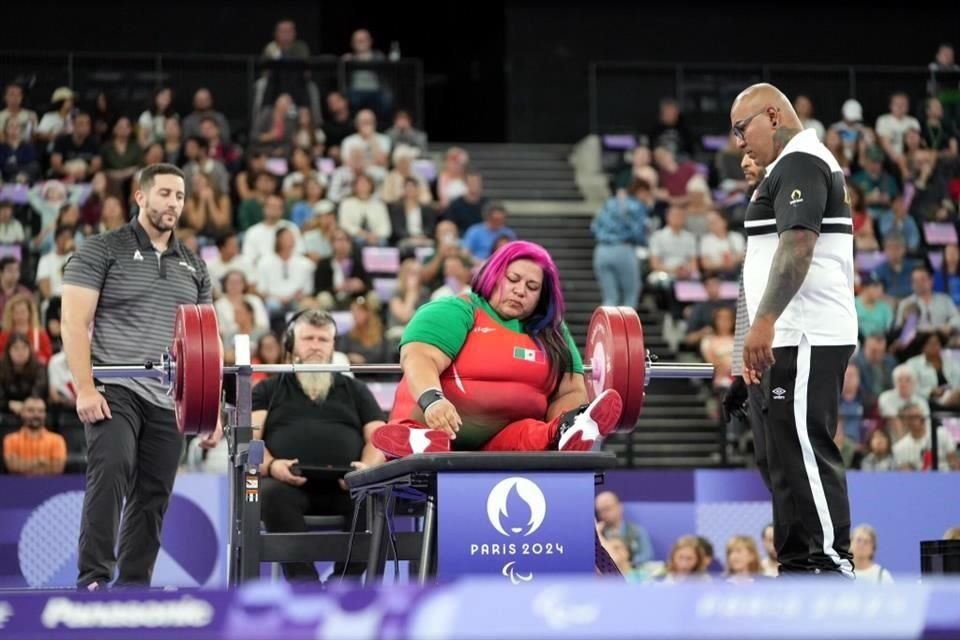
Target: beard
{"type": "Point", "coordinates": [156, 218]}
{"type": "Point", "coordinates": [315, 384]}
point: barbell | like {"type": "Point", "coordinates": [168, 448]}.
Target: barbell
{"type": "Point", "coordinates": [193, 367]}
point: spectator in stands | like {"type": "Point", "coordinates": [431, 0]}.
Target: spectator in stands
{"type": "Point", "coordinates": [640, 158]}
{"type": "Point", "coordinates": [944, 59]}
{"type": "Point", "coordinates": [363, 215]}
{"type": "Point", "coordinates": [685, 562]}
{"type": "Point", "coordinates": [953, 533]}
{"type": "Point", "coordinates": [708, 556]}
{"type": "Point", "coordinates": [409, 295]}
{"type": "Point", "coordinates": [245, 180]}
{"type": "Point", "coordinates": [879, 452]}
{"type": "Point", "coordinates": [931, 197]}
{"type": "Point", "coordinates": [285, 276]}
{"type": "Point", "coordinates": [309, 136]}
{"type": "Point", "coordinates": [301, 170]}
{"type": "Point", "coordinates": [375, 146]}
{"type": "Point", "coordinates": [11, 231]}
{"type": "Point", "coordinates": [197, 152]}
{"type": "Point", "coordinates": [619, 228]}
{"type": "Point", "coordinates": [250, 211]}
{"type": "Point", "coordinates": [898, 220]}
{"type": "Point", "coordinates": [318, 231]}
{"type": "Point", "coordinates": [913, 452]}
{"type": "Point", "coordinates": [850, 128]}
{"type": "Point", "coordinates": [892, 126]}
{"type": "Point", "coordinates": [57, 121]}
{"type": "Point", "coordinates": [933, 311]}
{"type": "Point", "coordinates": [879, 187]}
{"type": "Point", "coordinates": [207, 209]}
{"type": "Point", "coordinates": [849, 449]}
{"type": "Point", "coordinates": [743, 559]}
{"type": "Point", "coordinates": [700, 315]}
{"type": "Point", "coordinates": [874, 313]}
{"type": "Point", "coordinates": [229, 259]}
{"type": "Point", "coordinates": [113, 216]}
{"type": "Point", "coordinates": [467, 210]}
{"type": "Point", "coordinates": [365, 342]}
{"type": "Point", "coordinates": [480, 238]}
{"type": "Point", "coordinates": [451, 183]}
{"type": "Point", "coordinates": [203, 108]}
{"type": "Point", "coordinates": [863, 545]}
{"type": "Point", "coordinates": [22, 316]}
{"type": "Point", "coordinates": [393, 185]}
{"type": "Point", "coordinates": [342, 180]}
{"type": "Point", "coordinates": [244, 323]}
{"type": "Point", "coordinates": [699, 205]}
{"type": "Point", "coordinates": [721, 251]}
{"type": "Point", "coordinates": [804, 108]}
{"type": "Point", "coordinates": [218, 149]}
{"type": "Point", "coordinates": [945, 280]}
{"type": "Point", "coordinates": [653, 198]}
{"type": "Point", "coordinates": [151, 127]}
{"type": "Point", "coordinates": [76, 155]}
{"type": "Point", "coordinates": [938, 377]}
{"type": "Point", "coordinates": [21, 377]}
{"type": "Point", "coordinates": [50, 267]}
{"type": "Point", "coordinates": [903, 393]}
{"type": "Point", "coordinates": [851, 411]}
{"type": "Point", "coordinates": [268, 351]}
{"type": "Point", "coordinates": [834, 144]}
{"type": "Point", "coordinates": [172, 142]}
{"type": "Point", "coordinates": [769, 566]}
{"type": "Point", "coordinates": [613, 525]}
{"type": "Point", "coordinates": [864, 235]}
{"type": "Point", "coordinates": [275, 126]}
{"type": "Point", "coordinates": [236, 289]}
{"type": "Point", "coordinates": [18, 158]}
{"type": "Point", "coordinates": [673, 251]}
{"type": "Point", "coordinates": [412, 221]}
{"type": "Point", "coordinates": [876, 369]}
{"type": "Point", "coordinates": [365, 89]}
{"type": "Point", "coordinates": [939, 134]}
{"type": "Point", "coordinates": [103, 115]}
{"type": "Point", "coordinates": [27, 119]}
{"type": "Point", "coordinates": [674, 176]}
{"type": "Point", "coordinates": [896, 271]}
{"type": "Point", "coordinates": [447, 244]}
{"type": "Point", "coordinates": [670, 131]}
{"type": "Point", "coordinates": [34, 450]}
{"type": "Point", "coordinates": [313, 202]}
{"type": "Point", "coordinates": [285, 44]}
{"type": "Point", "coordinates": [341, 276]}
{"type": "Point", "coordinates": [456, 278]}
{"type": "Point", "coordinates": [260, 239]}
{"type": "Point", "coordinates": [403, 132]}
{"type": "Point", "coordinates": [62, 395]}
{"type": "Point", "coordinates": [338, 124]}
{"type": "Point", "coordinates": [122, 155]}
{"type": "Point", "coordinates": [621, 556]}
{"type": "Point", "coordinates": [717, 347]}
{"type": "Point", "coordinates": [47, 200]}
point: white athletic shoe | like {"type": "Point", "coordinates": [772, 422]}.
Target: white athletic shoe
{"type": "Point", "coordinates": [581, 428]}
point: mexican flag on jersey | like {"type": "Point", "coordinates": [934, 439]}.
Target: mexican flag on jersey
{"type": "Point", "coordinates": [530, 355]}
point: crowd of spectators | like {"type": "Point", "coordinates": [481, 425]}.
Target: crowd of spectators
{"type": "Point", "coordinates": [341, 207]}
{"type": "Point", "coordinates": [678, 210]}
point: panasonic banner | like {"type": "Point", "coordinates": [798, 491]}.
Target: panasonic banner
{"type": "Point", "coordinates": [516, 526]}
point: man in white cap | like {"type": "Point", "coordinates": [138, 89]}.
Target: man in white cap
{"type": "Point", "coordinates": [850, 128]}
{"type": "Point", "coordinates": [59, 120]}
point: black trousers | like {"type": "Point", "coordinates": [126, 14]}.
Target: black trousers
{"type": "Point", "coordinates": [133, 456]}
{"type": "Point", "coordinates": [283, 507]}
{"type": "Point", "coordinates": [793, 415]}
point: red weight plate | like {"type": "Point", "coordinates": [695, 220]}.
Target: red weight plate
{"type": "Point", "coordinates": [637, 366]}
{"type": "Point", "coordinates": [212, 367]}
{"type": "Point", "coordinates": [607, 352]}
{"type": "Point", "coordinates": [188, 356]}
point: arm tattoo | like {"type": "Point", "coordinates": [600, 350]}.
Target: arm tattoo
{"type": "Point", "coordinates": [790, 265]}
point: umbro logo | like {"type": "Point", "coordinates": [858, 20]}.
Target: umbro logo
{"type": "Point", "coordinates": [779, 393]}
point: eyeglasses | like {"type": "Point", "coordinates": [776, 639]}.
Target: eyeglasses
{"type": "Point", "coordinates": [739, 128]}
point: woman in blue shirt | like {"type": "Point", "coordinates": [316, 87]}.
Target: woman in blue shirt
{"type": "Point", "coordinates": [947, 278]}
{"type": "Point", "coordinates": [620, 226]}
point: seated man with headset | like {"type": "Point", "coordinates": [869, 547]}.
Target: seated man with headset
{"type": "Point", "coordinates": [321, 422]}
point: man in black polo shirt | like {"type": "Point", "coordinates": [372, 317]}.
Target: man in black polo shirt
{"type": "Point", "coordinates": [128, 284]}
{"type": "Point", "coordinates": [311, 420]}
{"type": "Point", "coordinates": [798, 282]}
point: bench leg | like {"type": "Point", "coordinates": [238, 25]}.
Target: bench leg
{"type": "Point", "coordinates": [426, 544]}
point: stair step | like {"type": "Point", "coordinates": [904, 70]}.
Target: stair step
{"type": "Point", "coordinates": [565, 193]}
{"type": "Point", "coordinates": [520, 178]}
{"type": "Point", "coordinates": [677, 462]}
{"type": "Point", "coordinates": [647, 438]}
{"type": "Point", "coordinates": [532, 173]}
{"type": "Point", "coordinates": [672, 449]}
{"type": "Point", "coordinates": [679, 424]}
{"type": "Point", "coordinates": [680, 412]}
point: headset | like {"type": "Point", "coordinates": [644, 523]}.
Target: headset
{"type": "Point", "coordinates": [289, 339]}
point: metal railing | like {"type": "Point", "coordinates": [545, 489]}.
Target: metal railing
{"type": "Point", "coordinates": [130, 79]}
{"type": "Point", "coordinates": [624, 96]}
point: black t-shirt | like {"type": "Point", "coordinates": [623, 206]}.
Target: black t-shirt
{"type": "Point", "coordinates": [464, 213]}
{"type": "Point", "coordinates": [335, 131]}
{"type": "Point", "coordinates": [67, 147]}
{"type": "Point", "coordinates": [327, 433]}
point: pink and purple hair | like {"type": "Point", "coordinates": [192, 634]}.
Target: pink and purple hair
{"type": "Point", "coordinates": [545, 324]}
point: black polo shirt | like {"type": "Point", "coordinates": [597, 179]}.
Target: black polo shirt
{"type": "Point", "coordinates": [140, 291]}
{"type": "Point", "coordinates": [325, 433]}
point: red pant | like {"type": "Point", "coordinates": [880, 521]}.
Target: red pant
{"type": "Point", "coordinates": [523, 435]}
